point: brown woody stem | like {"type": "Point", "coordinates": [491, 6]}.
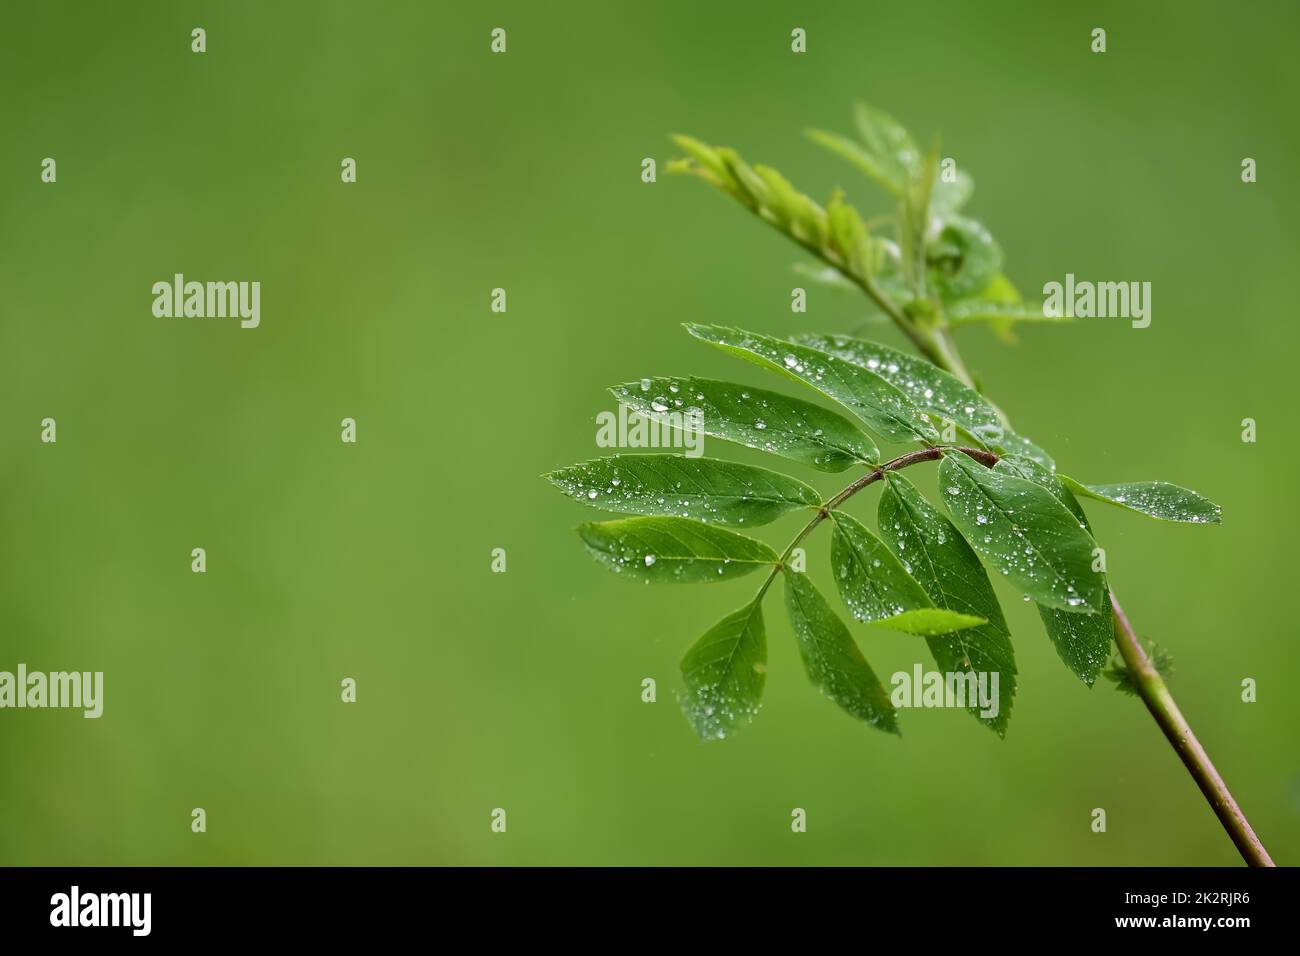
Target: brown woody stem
{"type": "Point", "coordinates": [1155, 694]}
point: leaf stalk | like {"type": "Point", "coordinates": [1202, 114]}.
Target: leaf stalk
{"type": "Point", "coordinates": [929, 453]}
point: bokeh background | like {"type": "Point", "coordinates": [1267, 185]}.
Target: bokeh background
{"type": "Point", "coordinates": [522, 690]}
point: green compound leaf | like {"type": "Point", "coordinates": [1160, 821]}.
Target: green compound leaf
{"type": "Point", "coordinates": [725, 671]}
{"type": "Point", "coordinates": [1083, 641]}
{"type": "Point", "coordinates": [675, 550]}
{"type": "Point", "coordinates": [941, 561]}
{"type": "Point", "coordinates": [1025, 532]}
{"type": "Point", "coordinates": [1155, 499]}
{"type": "Point", "coordinates": [945, 397]}
{"type": "Point", "coordinates": [832, 659]}
{"type": "Point", "coordinates": [929, 388]}
{"type": "Point", "coordinates": [934, 391]}
{"type": "Point", "coordinates": [712, 491]}
{"type": "Point", "coordinates": [880, 405]}
{"type": "Point", "coordinates": [877, 589]}
{"type": "Point", "coordinates": [790, 427]}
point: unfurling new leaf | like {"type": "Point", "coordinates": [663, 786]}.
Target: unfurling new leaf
{"type": "Point", "coordinates": [962, 259]}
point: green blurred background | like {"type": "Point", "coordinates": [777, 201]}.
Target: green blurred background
{"type": "Point", "coordinates": [522, 690]}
